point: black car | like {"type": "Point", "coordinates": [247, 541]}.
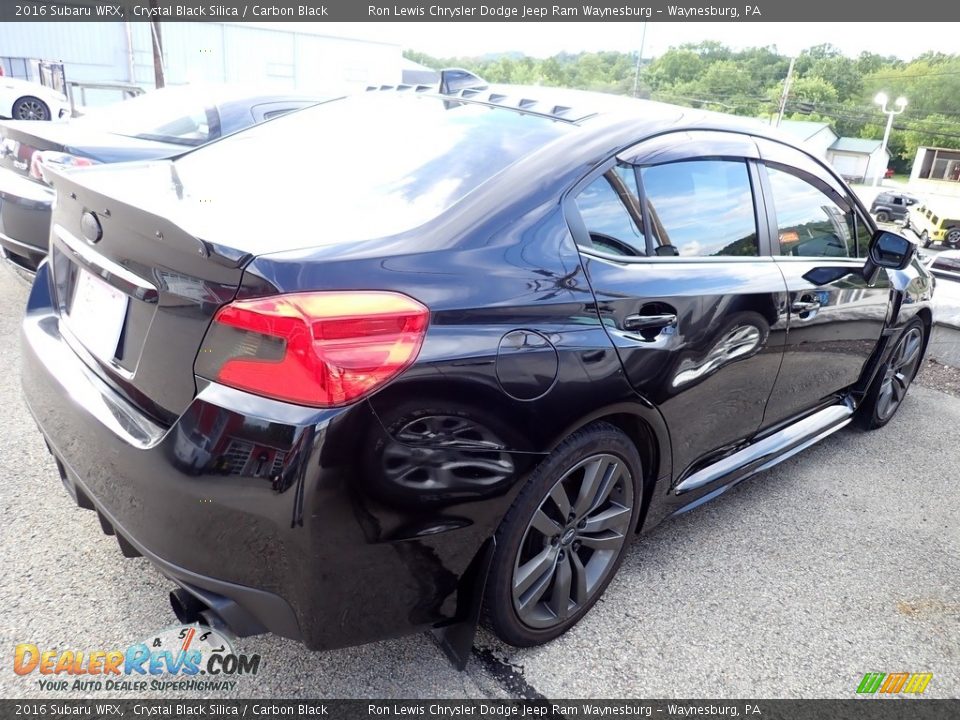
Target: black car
{"type": "Point", "coordinates": [449, 363]}
{"type": "Point", "coordinates": [156, 125]}
{"type": "Point", "coordinates": [892, 205]}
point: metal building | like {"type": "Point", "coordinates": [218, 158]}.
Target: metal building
{"type": "Point", "coordinates": [201, 52]}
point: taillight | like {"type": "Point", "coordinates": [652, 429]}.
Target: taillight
{"type": "Point", "coordinates": [51, 158]}
{"type": "Point", "coordinates": [322, 349]}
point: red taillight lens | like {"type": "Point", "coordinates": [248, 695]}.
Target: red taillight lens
{"type": "Point", "coordinates": [322, 349]}
{"type": "Point", "coordinates": [51, 158]}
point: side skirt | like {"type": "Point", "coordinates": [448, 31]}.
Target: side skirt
{"type": "Point", "coordinates": [766, 452]}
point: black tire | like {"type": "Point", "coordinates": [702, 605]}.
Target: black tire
{"type": "Point", "coordinates": [883, 216]}
{"type": "Point", "coordinates": [893, 379]}
{"type": "Point", "coordinates": [571, 569]}
{"type": "Point", "coordinates": [953, 237]}
{"type": "Point", "coordinates": [30, 108]}
{"type": "Point", "coordinates": [925, 239]}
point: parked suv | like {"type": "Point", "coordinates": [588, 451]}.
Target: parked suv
{"type": "Point", "coordinates": [451, 366]}
{"type": "Point", "coordinates": [892, 206]}
{"type": "Point", "coordinates": [936, 221]}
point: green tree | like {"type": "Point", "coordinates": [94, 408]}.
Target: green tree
{"type": "Point", "coordinates": [674, 66]}
{"type": "Point", "coordinates": [841, 73]}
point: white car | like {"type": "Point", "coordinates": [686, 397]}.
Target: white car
{"type": "Point", "coordinates": [22, 100]}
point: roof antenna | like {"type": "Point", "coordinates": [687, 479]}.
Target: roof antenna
{"type": "Point", "coordinates": [453, 80]}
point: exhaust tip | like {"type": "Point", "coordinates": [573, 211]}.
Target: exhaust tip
{"type": "Point", "coordinates": [186, 607]}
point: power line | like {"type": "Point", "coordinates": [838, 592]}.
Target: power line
{"type": "Point", "coordinates": [911, 77]}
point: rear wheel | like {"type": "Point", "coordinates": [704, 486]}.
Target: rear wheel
{"type": "Point", "coordinates": [890, 386]}
{"type": "Point", "coordinates": [564, 537]}
{"type": "Point", "coordinates": [953, 237]}
{"type": "Point", "coordinates": [883, 216]}
{"type": "Point", "coordinates": [30, 108]}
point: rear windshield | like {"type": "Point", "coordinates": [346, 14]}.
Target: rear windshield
{"type": "Point", "coordinates": [365, 166]}
{"type": "Point", "coordinates": [180, 115]}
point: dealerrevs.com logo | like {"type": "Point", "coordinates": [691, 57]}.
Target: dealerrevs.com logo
{"type": "Point", "coordinates": [178, 658]}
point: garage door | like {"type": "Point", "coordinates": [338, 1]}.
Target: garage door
{"type": "Point", "coordinates": [849, 165]}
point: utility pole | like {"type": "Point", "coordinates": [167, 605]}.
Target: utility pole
{"type": "Point", "coordinates": [636, 75]}
{"type": "Point", "coordinates": [881, 99]}
{"type": "Point", "coordinates": [131, 65]}
{"type": "Point", "coordinates": [786, 92]}
{"type": "Point", "coordinates": [157, 49]}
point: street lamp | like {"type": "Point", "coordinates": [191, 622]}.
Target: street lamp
{"type": "Point", "coordinates": [881, 99]}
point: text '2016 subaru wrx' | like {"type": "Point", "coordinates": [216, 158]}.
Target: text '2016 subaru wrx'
{"type": "Point", "coordinates": [447, 364]}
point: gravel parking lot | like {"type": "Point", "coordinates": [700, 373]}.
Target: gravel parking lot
{"type": "Point", "coordinates": [840, 561]}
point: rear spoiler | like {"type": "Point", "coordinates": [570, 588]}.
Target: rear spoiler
{"type": "Point", "coordinates": [452, 81]}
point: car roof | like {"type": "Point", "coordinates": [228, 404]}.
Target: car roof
{"type": "Point", "coordinates": [592, 109]}
{"type": "Point", "coordinates": [573, 106]}
{"type": "Point", "coordinates": [220, 94]}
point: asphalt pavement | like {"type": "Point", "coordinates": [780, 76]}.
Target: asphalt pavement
{"type": "Point", "coordinates": [841, 561]}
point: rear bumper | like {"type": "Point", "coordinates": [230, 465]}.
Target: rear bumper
{"type": "Point", "coordinates": [245, 610]}
{"type": "Point", "coordinates": [271, 513]}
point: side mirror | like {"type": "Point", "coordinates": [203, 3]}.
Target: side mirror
{"type": "Point", "coordinates": [887, 250]}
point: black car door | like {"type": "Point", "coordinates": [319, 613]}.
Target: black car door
{"type": "Point", "coordinates": [670, 239]}
{"type": "Point", "coordinates": [834, 327]}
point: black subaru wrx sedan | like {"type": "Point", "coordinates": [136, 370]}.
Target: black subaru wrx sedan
{"type": "Point", "coordinates": [405, 360]}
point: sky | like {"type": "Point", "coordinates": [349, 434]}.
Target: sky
{"type": "Point", "coordinates": [448, 39]}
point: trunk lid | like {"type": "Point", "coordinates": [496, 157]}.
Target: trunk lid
{"type": "Point", "coordinates": [19, 139]}
{"type": "Point", "coordinates": [136, 301]}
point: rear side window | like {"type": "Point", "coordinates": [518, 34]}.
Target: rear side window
{"type": "Point", "coordinates": [810, 222]}
{"type": "Point", "coordinates": [611, 213]}
{"type": "Point", "coordinates": [863, 236]}
{"type": "Point", "coordinates": [701, 208]}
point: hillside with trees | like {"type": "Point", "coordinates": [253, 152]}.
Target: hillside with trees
{"type": "Point", "coordinates": [827, 85]}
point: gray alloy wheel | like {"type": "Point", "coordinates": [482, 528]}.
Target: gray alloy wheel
{"type": "Point", "coordinates": [953, 237]}
{"type": "Point", "coordinates": [925, 239]}
{"type": "Point", "coordinates": [30, 108]}
{"type": "Point", "coordinates": [883, 216]}
{"type": "Point", "coordinates": [892, 379]}
{"type": "Point", "coordinates": [572, 542]}
{"type": "Point", "coordinates": [564, 536]}
{"type": "Point", "coordinates": [899, 373]}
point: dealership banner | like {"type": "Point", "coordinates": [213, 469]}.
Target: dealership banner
{"type": "Point", "coordinates": [490, 709]}
{"type": "Point", "coordinates": [475, 11]}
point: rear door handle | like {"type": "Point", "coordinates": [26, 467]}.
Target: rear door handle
{"type": "Point", "coordinates": [649, 322]}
